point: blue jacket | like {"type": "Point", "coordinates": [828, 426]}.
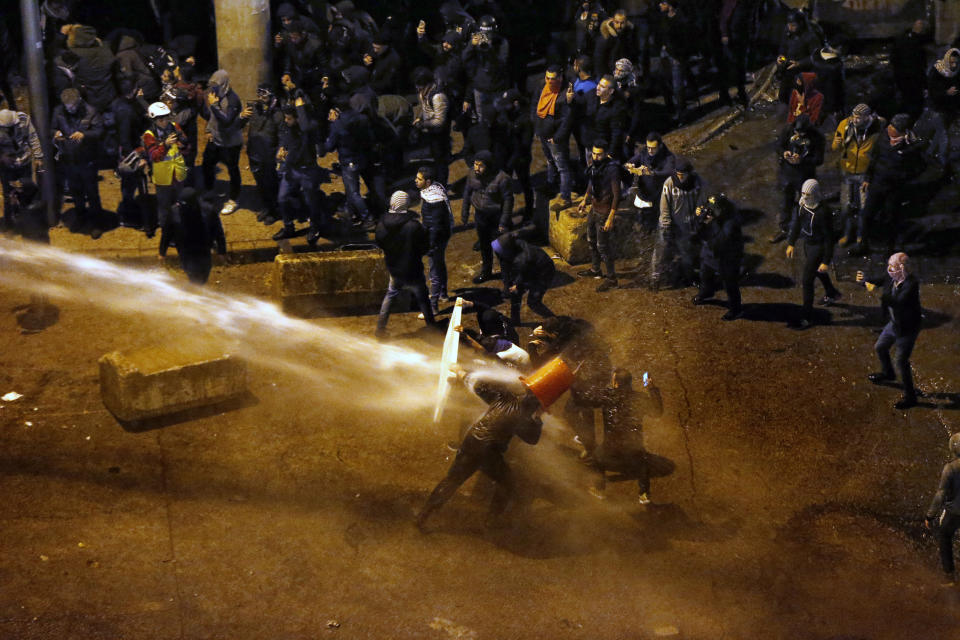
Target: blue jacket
{"type": "Point", "coordinates": [350, 137]}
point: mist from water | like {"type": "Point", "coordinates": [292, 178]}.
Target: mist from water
{"type": "Point", "coordinates": [348, 370]}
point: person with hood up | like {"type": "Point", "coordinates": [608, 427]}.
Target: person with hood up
{"type": "Point", "coordinates": [404, 242]}
{"type": "Point", "coordinates": [720, 232]}
{"type": "Point", "coordinates": [944, 512]}
{"type": "Point", "coordinates": [900, 305]}
{"type": "Point", "coordinates": [672, 37]}
{"type": "Point", "coordinates": [351, 136]}
{"type": "Point", "coordinates": [489, 192]}
{"type": "Point", "coordinates": [856, 138]}
{"type": "Point", "coordinates": [94, 69]}
{"type": "Point", "coordinates": [485, 61]}
{"type": "Point", "coordinates": [603, 197]}
{"type": "Point", "coordinates": [813, 221]}
{"type": "Point", "coordinates": [512, 411]}
{"type": "Point", "coordinates": [908, 59]}
{"type": "Point", "coordinates": [384, 63]}
{"type": "Point", "coordinates": [130, 64]}
{"type": "Point", "coordinates": [806, 99]}
{"type": "Point", "coordinates": [296, 159]}
{"type": "Point", "coordinates": [221, 109]}
{"type": "Point", "coordinates": [512, 138]}
{"type": "Point", "coordinates": [682, 193]}
{"type": "Point", "coordinates": [77, 130]}
{"type": "Point", "coordinates": [889, 180]}
{"type": "Point", "coordinates": [264, 119]}
{"type": "Point", "coordinates": [524, 268]}
{"type": "Point", "coordinates": [943, 85]}
{"type": "Point", "coordinates": [799, 152]}
{"type": "Point", "coordinates": [437, 219]}
{"type": "Point", "coordinates": [196, 229]}
{"type": "Point", "coordinates": [798, 43]}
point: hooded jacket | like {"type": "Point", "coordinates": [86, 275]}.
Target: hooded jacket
{"type": "Point", "coordinates": [263, 132]}
{"type": "Point", "coordinates": [894, 165]}
{"type": "Point", "coordinates": [858, 146]}
{"type": "Point", "coordinates": [404, 242]}
{"type": "Point", "coordinates": [24, 139]}
{"type": "Point", "coordinates": [223, 116]}
{"type": "Point", "coordinates": [806, 141]}
{"type": "Point", "coordinates": [351, 137]}
{"type": "Point", "coordinates": [94, 70]}
{"type": "Point", "coordinates": [810, 102]}
{"type": "Point", "coordinates": [524, 264]}
{"type": "Point", "coordinates": [131, 64]}
{"type": "Point", "coordinates": [88, 122]}
{"type": "Point", "coordinates": [678, 205]}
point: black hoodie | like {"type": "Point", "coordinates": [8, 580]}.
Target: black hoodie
{"type": "Point", "coordinates": [404, 242]}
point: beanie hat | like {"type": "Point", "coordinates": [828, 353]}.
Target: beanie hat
{"type": "Point", "coordinates": [683, 166]}
{"type": "Point", "coordinates": [485, 157]}
{"type": "Point", "coordinates": [623, 65]}
{"type": "Point", "coordinates": [286, 10]}
{"type": "Point", "coordinates": [862, 109]}
{"type": "Point", "coordinates": [900, 122]}
{"type": "Point", "coordinates": [810, 194]}
{"type": "Point", "coordinates": [399, 202]}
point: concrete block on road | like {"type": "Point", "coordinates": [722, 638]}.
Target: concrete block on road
{"type": "Point", "coordinates": [568, 234]}
{"type": "Point", "coordinates": [158, 381]}
{"type": "Point", "coordinates": [330, 281]}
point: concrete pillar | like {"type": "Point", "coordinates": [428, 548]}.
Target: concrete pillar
{"type": "Point", "coordinates": [243, 43]}
{"type": "Point", "coordinates": [947, 16]}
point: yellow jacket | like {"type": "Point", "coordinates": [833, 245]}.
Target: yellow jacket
{"type": "Point", "coordinates": [857, 150]}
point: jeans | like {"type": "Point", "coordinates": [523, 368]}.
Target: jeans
{"type": "Point", "coordinates": [684, 249]}
{"type": "Point", "coordinates": [601, 244]}
{"type": "Point", "coordinates": [350, 172]}
{"type": "Point", "coordinates": [304, 182]}
{"type": "Point", "coordinates": [534, 301]}
{"type": "Point", "coordinates": [439, 143]}
{"type": "Point", "coordinates": [415, 284]}
{"type": "Point", "coordinates": [814, 254]}
{"type": "Point", "coordinates": [904, 343]}
{"type": "Point", "coordinates": [268, 183]}
{"type": "Point", "coordinates": [673, 74]}
{"type": "Point", "coordinates": [729, 276]}
{"type": "Point", "coordinates": [437, 254]}
{"type": "Point", "coordinates": [850, 201]}
{"type": "Point", "coordinates": [488, 227]}
{"type": "Point", "coordinates": [230, 156]}
{"type": "Point", "coordinates": [558, 161]}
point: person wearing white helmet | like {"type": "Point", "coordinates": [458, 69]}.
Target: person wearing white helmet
{"type": "Point", "coordinates": [165, 144]}
{"type": "Point", "coordinates": [21, 151]}
{"type": "Point", "coordinates": [944, 511]}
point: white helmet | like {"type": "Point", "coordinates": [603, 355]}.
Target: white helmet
{"type": "Point", "coordinates": [158, 110]}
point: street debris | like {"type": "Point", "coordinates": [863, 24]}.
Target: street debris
{"type": "Point", "coordinates": [10, 397]}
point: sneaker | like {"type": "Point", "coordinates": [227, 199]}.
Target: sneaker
{"type": "Point", "coordinates": [830, 298]}
{"type": "Point", "coordinates": [312, 238]}
{"type": "Point", "coordinates": [606, 285]}
{"type": "Point", "coordinates": [229, 208]}
{"type": "Point", "coordinates": [590, 273]}
{"type": "Point", "coordinates": [905, 403]}
{"type": "Point", "coordinates": [880, 377]}
{"type": "Point", "coordinates": [732, 315]}
{"type": "Point", "coordinates": [285, 233]}
{"type": "Point", "coordinates": [779, 236]}
{"type": "Point", "coordinates": [643, 499]}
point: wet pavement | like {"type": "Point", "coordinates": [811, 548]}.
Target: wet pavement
{"type": "Point", "coordinates": [789, 504]}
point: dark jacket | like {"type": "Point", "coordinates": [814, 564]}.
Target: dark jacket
{"type": "Point", "coordinates": [263, 132]}
{"type": "Point", "coordinates": [524, 264]}
{"type": "Point", "coordinates": [88, 122]}
{"type": "Point", "coordinates": [350, 135]}
{"type": "Point", "coordinates": [807, 142]}
{"type": "Point", "coordinates": [800, 45]}
{"type": "Point", "coordinates": [901, 305]}
{"type": "Point", "coordinates": [300, 141]}
{"type": "Point", "coordinates": [486, 69]}
{"type": "Point", "coordinates": [94, 70]}
{"type": "Point", "coordinates": [722, 238]}
{"type": "Point", "coordinates": [892, 166]}
{"type": "Point", "coordinates": [223, 120]}
{"type": "Point", "coordinates": [603, 184]}
{"type": "Point", "coordinates": [908, 58]}
{"type": "Point", "coordinates": [131, 64]}
{"type": "Point", "coordinates": [513, 137]}
{"type": "Point", "coordinates": [196, 229]}
{"type": "Point", "coordinates": [556, 126]}
{"type": "Point", "coordinates": [490, 194]}
{"type": "Point", "coordinates": [816, 226]}
{"type": "Point", "coordinates": [404, 242]}
{"type": "Point", "coordinates": [307, 60]}
{"type": "Point", "coordinates": [610, 124]}
{"type": "Point", "coordinates": [831, 80]}
{"type": "Point", "coordinates": [623, 409]}
{"type": "Point", "coordinates": [937, 87]}
{"type": "Point", "coordinates": [611, 46]}
{"type": "Point", "coordinates": [673, 35]}
{"type": "Point", "coordinates": [128, 124]}
{"type": "Point", "coordinates": [508, 415]}
{"type": "Point", "coordinates": [662, 165]}
{"type": "Point", "coordinates": [435, 209]}
{"type": "Point", "coordinates": [385, 74]}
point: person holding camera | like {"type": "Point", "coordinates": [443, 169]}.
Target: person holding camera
{"type": "Point", "coordinates": [165, 144]}
{"type": "Point", "coordinates": [264, 118]}
{"type": "Point", "coordinates": [485, 60]}
{"type": "Point", "coordinates": [296, 160]}
{"type": "Point", "coordinates": [650, 167]}
{"type": "Point", "coordinates": [221, 108]}
{"type": "Point", "coordinates": [900, 302]}
{"type": "Point", "coordinates": [800, 151]}
{"type": "Point", "coordinates": [720, 231]}
{"type": "Point", "coordinates": [813, 220]}
{"type": "Point", "coordinates": [944, 512]}
{"type": "Point", "coordinates": [77, 130]}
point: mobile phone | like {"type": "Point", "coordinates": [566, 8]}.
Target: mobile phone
{"type": "Point", "coordinates": [646, 378]}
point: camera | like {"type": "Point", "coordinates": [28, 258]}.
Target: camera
{"type": "Point", "coordinates": [482, 40]}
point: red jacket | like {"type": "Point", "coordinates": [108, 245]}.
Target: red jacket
{"type": "Point", "coordinates": [156, 149]}
{"type": "Point", "coordinates": [809, 102]}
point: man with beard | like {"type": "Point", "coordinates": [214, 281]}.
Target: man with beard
{"type": "Point", "coordinates": [856, 138]}
{"type": "Point", "coordinates": [221, 108]}
{"type": "Point", "coordinates": [618, 39]}
{"type": "Point", "coordinates": [299, 174]}
{"type": "Point", "coordinates": [800, 151]}
{"type": "Point", "coordinates": [682, 193]}
{"type": "Point", "coordinates": [489, 191]}
{"type": "Point", "coordinates": [900, 304]}
{"type": "Point", "coordinates": [610, 119]}
{"type": "Point", "coordinates": [720, 232]}
{"type": "Point", "coordinates": [550, 114]}
{"type": "Point", "coordinates": [303, 54]}
{"type": "Point", "coordinates": [437, 218]}
{"type": "Point", "coordinates": [264, 119]}
{"type": "Point", "coordinates": [813, 220]}
{"type": "Point", "coordinates": [651, 166]}
{"type": "Point", "coordinates": [603, 195]}
{"type": "Point", "coordinates": [77, 129]}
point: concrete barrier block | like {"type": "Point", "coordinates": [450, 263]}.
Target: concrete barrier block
{"type": "Point", "coordinates": [330, 281]}
{"type": "Point", "coordinates": [568, 234]}
{"type": "Point", "coordinates": [158, 381]}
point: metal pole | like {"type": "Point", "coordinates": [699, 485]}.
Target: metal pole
{"type": "Point", "coordinates": [39, 110]}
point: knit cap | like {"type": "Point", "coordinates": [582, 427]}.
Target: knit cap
{"type": "Point", "coordinates": [399, 202]}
